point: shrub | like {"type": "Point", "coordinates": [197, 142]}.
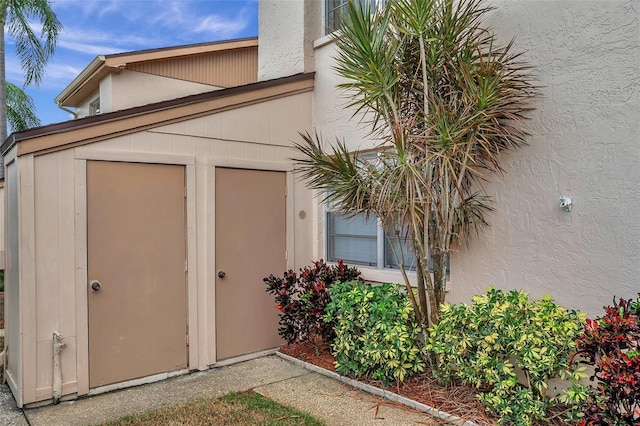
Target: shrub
{"type": "Point", "coordinates": [301, 300]}
{"type": "Point", "coordinates": [376, 331]}
{"type": "Point", "coordinates": [480, 344]}
{"type": "Point", "coordinates": [612, 344]}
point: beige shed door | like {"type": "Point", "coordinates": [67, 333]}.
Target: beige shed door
{"type": "Point", "coordinates": [136, 267]}
{"type": "Point", "coordinates": [250, 245]}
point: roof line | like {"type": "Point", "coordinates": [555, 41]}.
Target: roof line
{"type": "Point", "coordinates": [120, 60]}
{"type": "Point", "coordinates": [189, 106]}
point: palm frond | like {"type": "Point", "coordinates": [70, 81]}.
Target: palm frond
{"type": "Point", "coordinates": [21, 110]}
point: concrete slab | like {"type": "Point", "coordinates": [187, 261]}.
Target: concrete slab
{"type": "Point", "coordinates": [339, 404]}
{"type": "Point", "coordinates": [10, 414]}
{"type": "Point", "coordinates": [211, 383]}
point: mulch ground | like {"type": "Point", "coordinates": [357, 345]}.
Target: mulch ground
{"type": "Point", "coordinates": [455, 399]}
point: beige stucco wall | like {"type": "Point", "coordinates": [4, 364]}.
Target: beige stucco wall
{"type": "Point", "coordinates": [584, 144]}
{"type": "Point", "coordinates": [256, 136]}
{"type": "Point", "coordinates": [129, 89]}
{"type": "Point", "coordinates": [132, 88]}
{"type": "Point", "coordinates": [287, 30]}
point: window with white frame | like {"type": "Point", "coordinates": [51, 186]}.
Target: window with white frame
{"type": "Point", "coordinates": [362, 241]}
{"type": "Point", "coordinates": [94, 107]}
{"type": "Point", "coordinates": [333, 10]}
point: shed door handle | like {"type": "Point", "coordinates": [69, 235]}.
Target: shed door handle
{"type": "Point", "coordinates": [95, 285]}
{"type": "Point", "coordinates": [221, 274]}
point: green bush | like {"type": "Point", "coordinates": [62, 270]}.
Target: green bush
{"type": "Point", "coordinates": [376, 331]}
{"type": "Point", "coordinates": [480, 344]}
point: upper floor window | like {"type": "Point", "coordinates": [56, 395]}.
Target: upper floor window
{"type": "Point", "coordinates": [94, 107]}
{"type": "Point", "coordinates": [335, 8]}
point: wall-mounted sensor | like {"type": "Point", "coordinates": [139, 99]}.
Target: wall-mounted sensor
{"type": "Point", "coordinates": [565, 203]}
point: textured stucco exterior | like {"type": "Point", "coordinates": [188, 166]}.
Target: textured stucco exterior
{"type": "Point", "coordinates": [584, 144]}
{"type": "Point", "coordinates": [287, 30]}
{"type": "Point", "coordinates": [131, 88]}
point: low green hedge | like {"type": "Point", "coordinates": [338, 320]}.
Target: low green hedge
{"type": "Point", "coordinates": [376, 331]}
{"type": "Point", "coordinates": [487, 343]}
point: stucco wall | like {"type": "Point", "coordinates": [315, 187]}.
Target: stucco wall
{"type": "Point", "coordinates": [280, 53]}
{"type": "Point", "coordinates": [132, 88]}
{"type": "Point", "coordinates": [584, 144]}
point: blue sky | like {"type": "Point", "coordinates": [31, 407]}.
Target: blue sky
{"type": "Point", "coordinates": [100, 27]}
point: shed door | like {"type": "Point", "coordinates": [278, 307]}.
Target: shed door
{"type": "Point", "coordinates": [250, 245]}
{"type": "Point", "coordinates": [137, 255]}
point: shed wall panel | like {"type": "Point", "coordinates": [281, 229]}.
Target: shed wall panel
{"type": "Point", "coordinates": [12, 288]}
{"type": "Point", "coordinates": [55, 260]}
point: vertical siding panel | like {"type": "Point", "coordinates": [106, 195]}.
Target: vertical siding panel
{"type": "Point", "coordinates": [254, 152]}
{"type": "Point", "coordinates": [237, 151]}
{"type": "Point", "coordinates": [278, 122]}
{"type": "Point", "coordinates": [263, 122]}
{"type": "Point", "coordinates": [220, 149]}
{"type": "Point", "coordinates": [213, 126]}
{"type": "Point", "coordinates": [82, 319]}
{"type": "Point", "coordinates": [67, 270]}
{"type": "Point", "coordinates": [162, 143]}
{"type": "Point", "coordinates": [27, 276]}
{"type": "Point", "coordinates": [268, 153]}
{"type": "Point", "coordinates": [230, 125]}
{"type": "Point", "coordinates": [225, 68]}
{"type": "Point", "coordinates": [48, 256]}
{"type": "Point", "coordinates": [247, 126]}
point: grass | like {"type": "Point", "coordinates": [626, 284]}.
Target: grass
{"type": "Point", "coordinates": [241, 409]}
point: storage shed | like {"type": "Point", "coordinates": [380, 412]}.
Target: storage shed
{"type": "Point", "coordinates": [141, 238]}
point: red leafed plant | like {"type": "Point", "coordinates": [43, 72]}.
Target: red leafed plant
{"type": "Point", "coordinates": [612, 344]}
{"type": "Point", "coordinates": [301, 300]}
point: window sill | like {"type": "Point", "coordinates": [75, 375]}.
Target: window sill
{"type": "Point", "coordinates": [388, 276]}
{"type": "Point", "coordinates": [324, 40]}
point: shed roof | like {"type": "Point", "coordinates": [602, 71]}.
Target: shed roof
{"type": "Point", "coordinates": [68, 134]}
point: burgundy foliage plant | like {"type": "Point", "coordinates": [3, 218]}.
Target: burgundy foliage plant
{"type": "Point", "coordinates": [301, 300]}
{"type": "Point", "coordinates": [611, 343]}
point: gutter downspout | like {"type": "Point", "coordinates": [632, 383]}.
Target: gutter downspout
{"type": "Point", "coordinates": [58, 346]}
{"type": "Point", "coordinates": [65, 109]}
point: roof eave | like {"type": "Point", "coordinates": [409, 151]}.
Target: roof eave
{"type": "Point", "coordinates": [81, 79]}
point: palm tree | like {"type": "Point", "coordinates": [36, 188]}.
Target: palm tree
{"type": "Point", "coordinates": [445, 99]}
{"type": "Point", "coordinates": [33, 50]}
{"type": "Point", "coordinates": [20, 109]}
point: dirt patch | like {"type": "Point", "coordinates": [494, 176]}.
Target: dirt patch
{"type": "Point", "coordinates": [456, 399]}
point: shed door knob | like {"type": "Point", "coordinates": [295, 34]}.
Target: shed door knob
{"type": "Point", "coordinates": [95, 286]}
{"type": "Point", "coordinates": [221, 274]}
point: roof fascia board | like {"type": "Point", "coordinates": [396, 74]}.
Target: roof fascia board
{"type": "Point", "coordinates": [218, 101]}
{"type": "Point", "coordinates": [121, 60]}
{"type": "Point", "coordinates": [85, 75]}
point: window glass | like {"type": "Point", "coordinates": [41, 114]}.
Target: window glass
{"type": "Point", "coordinates": [334, 9]}
{"type": "Point", "coordinates": [353, 240]}
{"type": "Point", "coordinates": [390, 259]}
{"type": "Point", "coordinates": [94, 107]}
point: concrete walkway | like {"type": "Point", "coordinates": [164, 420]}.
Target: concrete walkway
{"type": "Point", "coordinates": [271, 376]}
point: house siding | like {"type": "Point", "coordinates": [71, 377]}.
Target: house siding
{"type": "Point", "coordinates": [226, 68]}
{"type": "Point", "coordinates": [583, 144]}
